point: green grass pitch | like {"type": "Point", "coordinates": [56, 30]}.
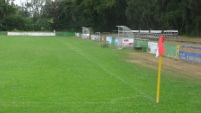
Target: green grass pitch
{"type": "Point", "coordinates": [71, 75]}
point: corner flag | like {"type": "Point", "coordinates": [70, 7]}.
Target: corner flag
{"type": "Point", "coordinates": [160, 52]}
{"type": "Point", "coordinates": [161, 49]}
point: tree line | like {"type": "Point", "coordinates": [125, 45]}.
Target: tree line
{"type": "Point", "coordinates": [101, 15]}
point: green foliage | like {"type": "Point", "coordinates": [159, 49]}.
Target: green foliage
{"type": "Point", "coordinates": [165, 14]}
{"type": "Point", "coordinates": [51, 21]}
{"type": "Point", "coordinates": [140, 14]}
{"type": "Point", "coordinates": [104, 15]}
{"type": "Point", "coordinates": [14, 22]}
{"type": "Point", "coordinates": [194, 6]}
{"type": "Point", "coordinates": [6, 11]}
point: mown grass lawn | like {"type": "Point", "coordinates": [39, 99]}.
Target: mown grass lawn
{"type": "Point", "coordinates": [71, 75]}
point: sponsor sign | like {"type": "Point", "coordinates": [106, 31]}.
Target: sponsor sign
{"type": "Point", "coordinates": [190, 54]}
{"type": "Point", "coordinates": [31, 34]}
{"type": "Point", "coordinates": [127, 42]}
{"type": "Point", "coordinates": [109, 40]}
{"type": "Point", "coordinates": [116, 42]}
{"type": "Point", "coordinates": [152, 47]}
{"type": "Point", "coordinates": [77, 34]}
{"type": "Point", "coordinates": [95, 37]}
{"type": "Point", "coordinates": [85, 36]}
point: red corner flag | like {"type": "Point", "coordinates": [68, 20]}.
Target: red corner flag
{"type": "Point", "coordinates": [161, 49]}
{"type": "Point", "coordinates": [160, 52]}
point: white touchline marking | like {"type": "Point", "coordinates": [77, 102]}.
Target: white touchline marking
{"type": "Point", "coordinates": [107, 71]}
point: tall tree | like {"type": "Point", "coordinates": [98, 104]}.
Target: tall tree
{"type": "Point", "coordinates": [8, 18]}
{"type": "Point", "coordinates": [195, 15]}
{"type": "Point", "coordinates": [102, 15]}
{"type": "Point", "coordinates": [140, 14]}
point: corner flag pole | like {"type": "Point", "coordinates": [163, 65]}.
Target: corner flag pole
{"type": "Point", "coordinates": [159, 78]}
{"type": "Point", "coordinates": [160, 52]}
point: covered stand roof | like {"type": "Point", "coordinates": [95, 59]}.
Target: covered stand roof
{"type": "Point", "coordinates": [124, 32]}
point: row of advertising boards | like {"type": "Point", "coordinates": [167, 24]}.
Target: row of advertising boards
{"type": "Point", "coordinates": [185, 53]}
{"type": "Point", "coordinates": [181, 52]}
{"type": "Point", "coordinates": [38, 33]}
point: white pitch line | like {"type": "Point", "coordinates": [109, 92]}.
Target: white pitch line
{"type": "Point", "coordinates": [56, 103]}
{"type": "Point", "coordinates": [123, 98]}
{"type": "Point", "coordinates": [107, 71]}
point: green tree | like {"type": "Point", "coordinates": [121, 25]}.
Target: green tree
{"type": "Point", "coordinates": [8, 19]}
{"type": "Point", "coordinates": [140, 14]}
{"type": "Point", "coordinates": [195, 15]}
{"type": "Point", "coordinates": [103, 15]}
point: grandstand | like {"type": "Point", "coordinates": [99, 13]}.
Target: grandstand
{"type": "Point", "coordinates": [154, 34]}
{"type": "Point", "coordinates": [125, 37]}
{"type": "Point", "coordinates": [86, 31]}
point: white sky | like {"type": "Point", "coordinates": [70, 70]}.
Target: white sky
{"type": "Point", "coordinates": [19, 2]}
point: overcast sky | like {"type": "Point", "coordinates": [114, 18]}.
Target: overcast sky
{"type": "Point", "coordinates": [19, 2]}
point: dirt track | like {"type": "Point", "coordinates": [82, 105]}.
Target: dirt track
{"type": "Point", "coordinates": [184, 68]}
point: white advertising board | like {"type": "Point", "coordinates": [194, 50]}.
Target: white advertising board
{"type": "Point", "coordinates": [127, 42]}
{"type": "Point", "coordinates": [77, 34]}
{"type": "Point", "coordinates": [85, 36]}
{"type": "Point", "coordinates": [95, 38]}
{"type": "Point", "coordinates": [31, 34]}
{"type": "Point", "coordinates": [109, 40]}
{"type": "Point", "coordinates": [152, 47]}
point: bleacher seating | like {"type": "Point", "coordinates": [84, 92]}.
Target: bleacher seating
{"type": "Point", "coordinates": [154, 34]}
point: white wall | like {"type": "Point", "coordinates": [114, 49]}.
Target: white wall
{"type": "Point", "coordinates": [31, 34]}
